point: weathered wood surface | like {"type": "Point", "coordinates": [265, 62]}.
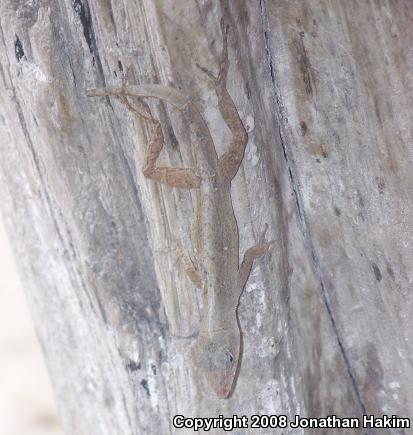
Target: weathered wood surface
{"type": "Point", "coordinates": [325, 89]}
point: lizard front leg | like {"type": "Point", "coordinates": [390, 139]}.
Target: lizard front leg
{"type": "Point", "coordinates": [174, 177]}
{"type": "Point", "coordinates": [250, 255]}
{"type": "Point", "coordinates": [190, 269]}
{"type": "Point", "coordinates": [231, 160]}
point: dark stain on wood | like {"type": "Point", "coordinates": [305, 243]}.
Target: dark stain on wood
{"type": "Point", "coordinates": [145, 386]}
{"type": "Point", "coordinates": [133, 366]}
{"type": "Point", "coordinates": [18, 49]}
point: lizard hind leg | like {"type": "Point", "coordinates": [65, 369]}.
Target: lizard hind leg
{"type": "Point", "coordinates": [250, 255]}
{"type": "Point", "coordinates": [140, 108]}
{"type": "Point", "coordinates": [174, 177]}
{"type": "Point", "coordinates": [230, 161]}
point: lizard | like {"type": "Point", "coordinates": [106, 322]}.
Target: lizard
{"type": "Point", "coordinates": [214, 234]}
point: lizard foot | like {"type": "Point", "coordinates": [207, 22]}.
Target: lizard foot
{"type": "Point", "coordinates": [263, 246]}
{"type": "Point", "coordinates": [140, 108]}
{"type": "Point", "coordinates": [219, 81]}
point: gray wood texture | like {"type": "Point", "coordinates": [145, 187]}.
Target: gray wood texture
{"type": "Point", "coordinates": [325, 90]}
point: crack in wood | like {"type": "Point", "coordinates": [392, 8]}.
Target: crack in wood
{"type": "Point", "coordinates": [306, 232]}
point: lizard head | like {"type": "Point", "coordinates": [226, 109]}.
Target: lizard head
{"type": "Point", "coordinates": [217, 356]}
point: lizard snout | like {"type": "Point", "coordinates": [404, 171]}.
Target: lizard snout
{"type": "Point", "coordinates": [218, 357]}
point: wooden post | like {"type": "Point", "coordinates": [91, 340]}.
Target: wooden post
{"type": "Point", "coordinates": [325, 91]}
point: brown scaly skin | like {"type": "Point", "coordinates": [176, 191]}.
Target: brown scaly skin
{"type": "Point", "coordinates": [214, 230]}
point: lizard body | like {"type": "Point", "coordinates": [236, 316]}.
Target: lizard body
{"type": "Point", "coordinates": [214, 235]}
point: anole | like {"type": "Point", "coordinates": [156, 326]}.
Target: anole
{"type": "Point", "coordinates": [216, 269]}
